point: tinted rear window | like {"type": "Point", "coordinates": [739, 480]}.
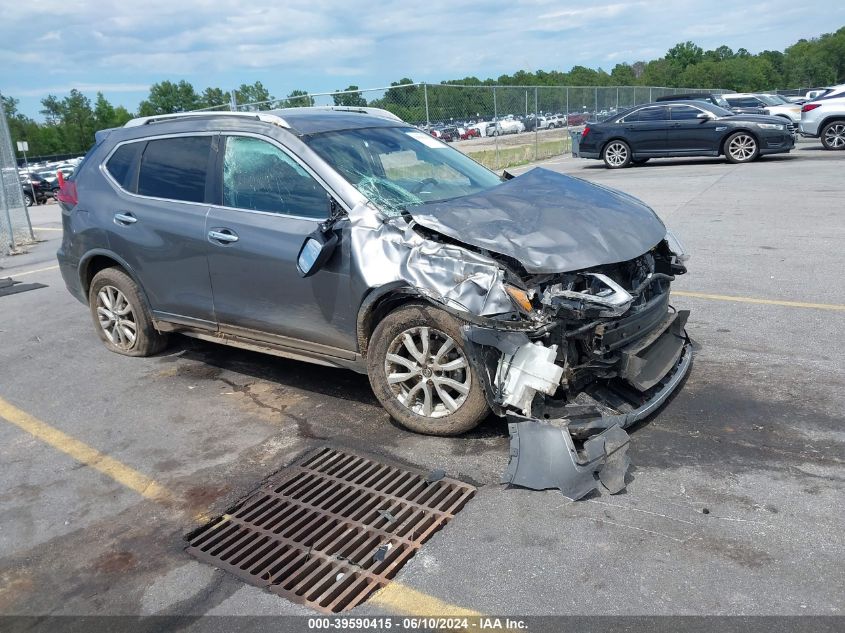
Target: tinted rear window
{"type": "Point", "coordinates": [175, 168]}
{"type": "Point", "coordinates": [120, 164]}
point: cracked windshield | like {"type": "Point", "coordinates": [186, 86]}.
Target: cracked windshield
{"type": "Point", "coordinates": [401, 167]}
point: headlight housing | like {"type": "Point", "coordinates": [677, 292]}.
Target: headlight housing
{"type": "Point", "coordinates": [676, 246]}
{"type": "Point", "coordinates": [771, 126]}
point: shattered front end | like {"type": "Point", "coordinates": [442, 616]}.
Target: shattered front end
{"type": "Point", "coordinates": [604, 350]}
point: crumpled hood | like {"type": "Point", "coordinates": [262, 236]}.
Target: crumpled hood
{"type": "Point", "coordinates": [549, 222]}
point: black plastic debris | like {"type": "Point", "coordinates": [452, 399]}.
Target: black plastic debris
{"type": "Point", "coordinates": [543, 456]}
{"type": "Point", "coordinates": [9, 286]}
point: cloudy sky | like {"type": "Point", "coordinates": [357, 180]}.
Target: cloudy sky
{"type": "Point", "coordinates": [120, 47]}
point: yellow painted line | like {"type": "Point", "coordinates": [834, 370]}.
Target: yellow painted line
{"type": "Point", "coordinates": [46, 228]}
{"type": "Point", "coordinates": [32, 272]}
{"type": "Point", "coordinates": [83, 453]}
{"type": "Point", "coordinates": [768, 302]}
{"type": "Point", "coordinates": [404, 600]}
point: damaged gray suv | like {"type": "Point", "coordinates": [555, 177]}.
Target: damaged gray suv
{"type": "Point", "coordinates": [348, 238]}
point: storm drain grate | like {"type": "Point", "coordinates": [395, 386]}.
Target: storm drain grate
{"type": "Point", "coordinates": [331, 529]}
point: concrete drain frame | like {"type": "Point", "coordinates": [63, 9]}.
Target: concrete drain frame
{"type": "Point", "coordinates": [330, 529]}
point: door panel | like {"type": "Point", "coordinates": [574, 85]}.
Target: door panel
{"type": "Point", "coordinates": [647, 133]}
{"type": "Point", "coordinates": [270, 205]}
{"type": "Point", "coordinates": [164, 240]}
{"type": "Point", "coordinates": [688, 133]}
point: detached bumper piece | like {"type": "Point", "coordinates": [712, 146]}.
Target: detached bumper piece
{"type": "Point", "coordinates": [543, 456]}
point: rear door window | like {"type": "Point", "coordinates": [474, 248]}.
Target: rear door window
{"type": "Point", "coordinates": [120, 165]}
{"type": "Point", "coordinates": [175, 168]}
{"type": "Point", "coordinates": [657, 113]}
{"type": "Point", "coordinates": [684, 113]}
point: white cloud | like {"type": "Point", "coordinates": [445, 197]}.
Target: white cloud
{"type": "Point", "coordinates": [311, 43]}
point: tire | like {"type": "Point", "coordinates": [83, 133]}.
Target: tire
{"type": "Point", "coordinates": [27, 199]}
{"type": "Point", "coordinates": [639, 161]}
{"type": "Point", "coordinates": [741, 147]}
{"type": "Point", "coordinates": [616, 154]}
{"type": "Point", "coordinates": [455, 406]}
{"type": "Point", "coordinates": [113, 294]}
{"type": "Point", "coordinates": [833, 135]}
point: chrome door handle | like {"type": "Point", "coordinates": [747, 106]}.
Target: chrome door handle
{"type": "Point", "coordinates": [225, 235]}
{"type": "Point", "coordinates": [124, 218]}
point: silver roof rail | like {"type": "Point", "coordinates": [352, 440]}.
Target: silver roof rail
{"type": "Point", "coordinates": [379, 112]}
{"type": "Point", "coordinates": [267, 118]}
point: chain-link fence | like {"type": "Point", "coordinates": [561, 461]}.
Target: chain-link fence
{"type": "Point", "coordinates": [499, 126]}
{"type": "Point", "coordinates": [15, 229]}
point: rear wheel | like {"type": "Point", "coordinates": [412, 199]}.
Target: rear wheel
{"type": "Point", "coordinates": [617, 154]}
{"type": "Point", "coordinates": [741, 147]}
{"type": "Point", "coordinates": [121, 316]}
{"type": "Point", "coordinates": [833, 135]}
{"type": "Point", "coordinates": [420, 372]}
{"type": "Point", "coordinates": [27, 199]}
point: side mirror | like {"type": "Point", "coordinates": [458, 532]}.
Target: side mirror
{"type": "Point", "coordinates": [315, 252]}
{"type": "Point", "coordinates": [703, 116]}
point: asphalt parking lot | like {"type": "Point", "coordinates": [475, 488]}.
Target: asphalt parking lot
{"type": "Point", "coordinates": [735, 507]}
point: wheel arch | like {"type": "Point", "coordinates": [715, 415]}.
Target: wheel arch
{"type": "Point", "coordinates": [830, 119]}
{"type": "Point", "coordinates": [734, 131]}
{"type": "Point", "coordinates": [100, 259]}
{"type": "Point", "coordinates": [377, 304]}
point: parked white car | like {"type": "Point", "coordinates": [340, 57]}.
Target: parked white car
{"type": "Point", "coordinates": [505, 126]}
{"type": "Point", "coordinates": [774, 105]}
{"type": "Point", "coordinates": [824, 118]}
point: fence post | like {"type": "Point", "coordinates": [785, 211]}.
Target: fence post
{"type": "Point", "coordinates": [536, 133]}
{"type": "Point", "coordinates": [496, 126]}
{"type": "Point", "coordinates": [233, 102]}
{"type": "Point", "coordinates": [567, 107]}
{"type": "Point", "coordinates": [596, 104]}
{"type": "Point", "coordinates": [617, 98]}
{"type": "Point", "coordinates": [649, 95]}
{"type": "Point", "coordinates": [425, 97]}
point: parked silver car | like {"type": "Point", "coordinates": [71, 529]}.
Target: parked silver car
{"type": "Point", "coordinates": [348, 238]}
{"type": "Point", "coordinates": [824, 118]}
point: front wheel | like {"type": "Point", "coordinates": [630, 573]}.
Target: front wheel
{"type": "Point", "coordinates": [27, 200]}
{"type": "Point", "coordinates": [617, 154]}
{"type": "Point", "coordinates": [741, 147]}
{"type": "Point", "coordinates": [833, 135]}
{"type": "Point", "coordinates": [420, 371]}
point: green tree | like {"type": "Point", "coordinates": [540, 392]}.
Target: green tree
{"type": "Point", "coordinates": [298, 99]}
{"type": "Point", "coordinates": [212, 97]}
{"type": "Point", "coordinates": [351, 98]}
{"type": "Point", "coordinates": [256, 93]}
{"type": "Point", "coordinates": [168, 97]}
{"type": "Point", "coordinates": [684, 54]}
{"type": "Point", "coordinates": [74, 118]}
{"type": "Point", "coordinates": [623, 75]}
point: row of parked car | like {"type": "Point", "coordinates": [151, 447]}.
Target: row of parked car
{"type": "Point", "coordinates": [41, 183]}
{"type": "Point", "coordinates": [701, 125]}
{"type": "Point", "coordinates": [509, 124]}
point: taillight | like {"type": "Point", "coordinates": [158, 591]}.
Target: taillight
{"type": "Point", "coordinates": [67, 191]}
{"type": "Point", "coordinates": [809, 106]}
{"type": "Point", "coordinates": [585, 132]}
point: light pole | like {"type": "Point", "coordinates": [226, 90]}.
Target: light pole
{"type": "Point", "coordinates": [23, 146]}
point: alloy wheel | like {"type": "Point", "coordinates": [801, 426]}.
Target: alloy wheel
{"type": "Point", "coordinates": [834, 136]}
{"type": "Point", "coordinates": [427, 372]}
{"type": "Point", "coordinates": [742, 147]}
{"type": "Point", "coordinates": [616, 154]}
{"type": "Point", "coordinates": [116, 317]}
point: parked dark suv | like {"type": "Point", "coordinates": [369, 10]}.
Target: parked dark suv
{"type": "Point", "coordinates": [348, 238]}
